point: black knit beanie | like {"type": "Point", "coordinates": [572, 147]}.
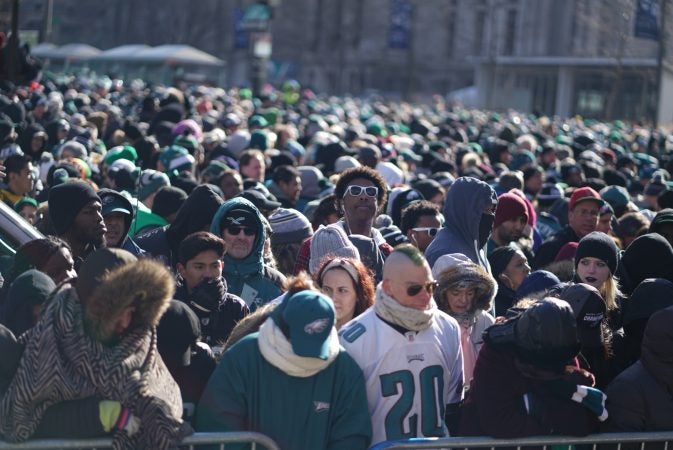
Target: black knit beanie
{"type": "Point", "coordinates": [598, 245]}
{"type": "Point", "coordinates": [500, 257]}
{"type": "Point", "coordinates": [66, 201]}
{"type": "Point", "coordinates": [168, 200]}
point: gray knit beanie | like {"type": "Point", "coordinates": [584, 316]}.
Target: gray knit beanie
{"type": "Point", "coordinates": [330, 241]}
{"type": "Point", "coordinates": [289, 225]}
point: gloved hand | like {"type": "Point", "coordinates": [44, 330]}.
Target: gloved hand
{"type": "Point", "coordinates": [208, 294]}
{"type": "Point", "coordinates": [128, 422]}
{"type": "Point", "coordinates": [114, 416]}
{"type": "Point", "coordinates": [591, 398]}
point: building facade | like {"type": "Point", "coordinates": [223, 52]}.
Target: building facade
{"type": "Point", "coordinates": [549, 56]}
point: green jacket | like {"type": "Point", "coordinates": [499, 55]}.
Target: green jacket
{"type": "Point", "coordinates": [144, 219]}
{"type": "Point", "coordinates": [326, 411]}
{"type": "Point", "coordinates": [249, 278]}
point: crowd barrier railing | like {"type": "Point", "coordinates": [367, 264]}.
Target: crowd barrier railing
{"type": "Point", "coordinates": [257, 441]}
{"type": "Point", "coordinates": [604, 440]}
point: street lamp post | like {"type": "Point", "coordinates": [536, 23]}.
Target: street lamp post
{"type": "Point", "coordinates": [257, 21]}
{"type": "Point", "coordinates": [660, 64]}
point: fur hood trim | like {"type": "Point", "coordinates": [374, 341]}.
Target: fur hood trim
{"type": "Point", "coordinates": [146, 284]}
{"type": "Point", "coordinates": [474, 276]}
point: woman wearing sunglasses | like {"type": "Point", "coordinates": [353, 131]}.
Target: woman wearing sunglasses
{"type": "Point", "coordinates": [360, 196]}
{"type": "Point", "coordinates": [465, 292]}
{"type": "Point", "coordinates": [350, 286]}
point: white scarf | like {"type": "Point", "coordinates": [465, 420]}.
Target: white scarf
{"type": "Point", "coordinates": [277, 350]}
{"type": "Point", "coordinates": [412, 319]}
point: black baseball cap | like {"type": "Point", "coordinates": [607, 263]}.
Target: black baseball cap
{"type": "Point", "coordinates": [258, 199]}
{"type": "Point", "coordinates": [178, 329]}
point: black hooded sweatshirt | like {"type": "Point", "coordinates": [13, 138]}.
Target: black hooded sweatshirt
{"type": "Point", "coordinates": [194, 215]}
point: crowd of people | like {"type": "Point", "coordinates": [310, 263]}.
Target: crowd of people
{"type": "Point", "coordinates": [332, 272]}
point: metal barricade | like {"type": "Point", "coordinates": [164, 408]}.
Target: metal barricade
{"type": "Point", "coordinates": [605, 440]}
{"type": "Point", "coordinates": [257, 441]}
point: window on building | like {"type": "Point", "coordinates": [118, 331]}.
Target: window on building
{"type": "Point", "coordinates": [479, 30]}
{"type": "Point", "coordinates": [357, 26]}
{"type": "Point", "coordinates": [510, 32]}
{"type": "Point", "coordinates": [451, 32]}
{"type": "Point", "coordinates": [317, 23]}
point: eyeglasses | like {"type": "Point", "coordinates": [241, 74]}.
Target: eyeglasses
{"type": "Point", "coordinates": [235, 231]}
{"type": "Point", "coordinates": [432, 231]}
{"type": "Point", "coordinates": [355, 190]}
{"type": "Point", "coordinates": [415, 289]}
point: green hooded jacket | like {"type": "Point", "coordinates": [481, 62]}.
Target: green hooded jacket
{"type": "Point", "coordinates": [145, 219]}
{"type": "Point", "coordinates": [249, 278]}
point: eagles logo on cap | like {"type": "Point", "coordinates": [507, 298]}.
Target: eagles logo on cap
{"type": "Point", "coordinates": [235, 220]}
{"type": "Point", "coordinates": [240, 218]}
{"type": "Point", "coordinates": [317, 326]}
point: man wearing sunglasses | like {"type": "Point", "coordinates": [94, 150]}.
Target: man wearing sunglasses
{"type": "Point", "coordinates": [409, 352]}
{"type": "Point", "coordinates": [420, 223]}
{"type": "Point", "coordinates": [240, 224]}
{"type": "Point", "coordinates": [360, 196]}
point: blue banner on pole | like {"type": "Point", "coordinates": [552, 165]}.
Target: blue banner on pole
{"type": "Point", "coordinates": [240, 33]}
{"type": "Point", "coordinates": [647, 19]}
{"type": "Point", "coordinates": [399, 33]}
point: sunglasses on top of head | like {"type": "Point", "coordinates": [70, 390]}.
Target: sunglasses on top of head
{"type": "Point", "coordinates": [355, 190]}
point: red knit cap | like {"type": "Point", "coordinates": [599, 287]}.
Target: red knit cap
{"type": "Point", "coordinates": [510, 206]}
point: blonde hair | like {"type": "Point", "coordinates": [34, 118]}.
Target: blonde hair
{"type": "Point", "coordinates": [470, 160]}
{"type": "Point", "coordinates": [610, 291]}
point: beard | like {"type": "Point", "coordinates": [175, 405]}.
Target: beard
{"type": "Point", "coordinates": [97, 241]}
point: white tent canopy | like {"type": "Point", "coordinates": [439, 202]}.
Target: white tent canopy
{"type": "Point", "coordinates": [40, 50]}
{"type": "Point", "coordinates": [136, 53]}
{"type": "Point", "coordinates": [67, 52]}
{"type": "Point", "coordinates": [122, 53]}
{"type": "Point", "coordinates": [177, 54]}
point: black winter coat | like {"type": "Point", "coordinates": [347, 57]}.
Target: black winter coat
{"type": "Point", "coordinates": [641, 397]}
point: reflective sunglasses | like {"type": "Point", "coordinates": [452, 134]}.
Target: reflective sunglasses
{"type": "Point", "coordinates": [355, 190]}
{"type": "Point", "coordinates": [415, 289]}
{"type": "Point", "coordinates": [432, 231]}
{"type": "Point", "coordinates": [235, 231]}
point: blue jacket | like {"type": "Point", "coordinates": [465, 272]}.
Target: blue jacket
{"type": "Point", "coordinates": [465, 202]}
{"type": "Point", "coordinates": [249, 278]}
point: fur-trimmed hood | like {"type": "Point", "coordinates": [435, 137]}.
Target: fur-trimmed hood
{"type": "Point", "coordinates": [145, 284]}
{"type": "Point", "coordinates": [474, 276]}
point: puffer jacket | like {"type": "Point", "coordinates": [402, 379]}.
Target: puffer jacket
{"type": "Point", "coordinates": [641, 397]}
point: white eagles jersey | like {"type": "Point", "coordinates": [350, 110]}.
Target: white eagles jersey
{"type": "Point", "coordinates": [410, 377]}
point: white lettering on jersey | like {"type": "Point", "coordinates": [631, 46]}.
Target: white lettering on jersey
{"type": "Point", "coordinates": [410, 378]}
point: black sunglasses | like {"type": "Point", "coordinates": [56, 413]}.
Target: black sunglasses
{"type": "Point", "coordinates": [235, 231]}
{"type": "Point", "coordinates": [355, 190]}
{"type": "Point", "coordinates": [415, 289]}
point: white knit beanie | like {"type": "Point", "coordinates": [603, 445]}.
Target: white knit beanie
{"type": "Point", "coordinates": [238, 142]}
{"type": "Point", "coordinates": [345, 162]}
{"type": "Point", "coordinates": [330, 241]}
{"type": "Point", "coordinates": [390, 173]}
